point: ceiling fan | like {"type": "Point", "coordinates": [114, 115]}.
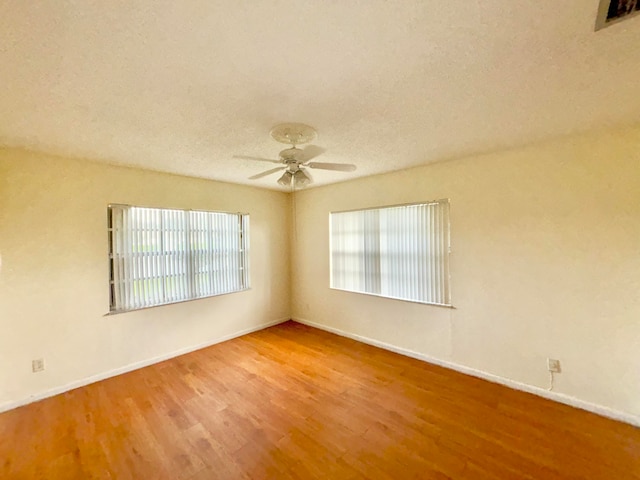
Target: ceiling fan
{"type": "Point", "coordinates": [294, 160]}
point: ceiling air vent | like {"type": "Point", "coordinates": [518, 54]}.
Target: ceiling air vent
{"type": "Point", "coordinates": [614, 11]}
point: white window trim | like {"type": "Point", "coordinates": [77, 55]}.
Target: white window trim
{"type": "Point", "coordinates": [121, 260]}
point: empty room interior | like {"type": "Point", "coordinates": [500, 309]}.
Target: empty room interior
{"type": "Point", "coordinates": [337, 240]}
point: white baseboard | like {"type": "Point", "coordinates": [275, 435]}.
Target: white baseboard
{"type": "Point", "coordinates": [541, 392]}
{"type": "Point", "coordinates": [132, 366]}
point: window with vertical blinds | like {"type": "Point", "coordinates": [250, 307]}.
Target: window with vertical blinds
{"type": "Point", "coordinates": [398, 252]}
{"type": "Point", "coordinates": [159, 256]}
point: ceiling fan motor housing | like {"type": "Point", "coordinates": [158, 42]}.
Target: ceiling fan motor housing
{"type": "Point", "coordinates": [290, 155]}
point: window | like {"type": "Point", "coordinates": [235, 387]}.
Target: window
{"type": "Point", "coordinates": [159, 256]}
{"type": "Point", "coordinates": [397, 252]}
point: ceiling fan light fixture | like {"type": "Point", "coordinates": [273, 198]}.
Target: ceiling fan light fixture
{"type": "Point", "coordinates": [301, 178]}
{"type": "Point", "coordinates": [285, 179]}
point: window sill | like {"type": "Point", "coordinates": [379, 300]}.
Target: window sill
{"type": "Point", "coordinates": [118, 312]}
{"type": "Point", "coordinates": [441, 305]}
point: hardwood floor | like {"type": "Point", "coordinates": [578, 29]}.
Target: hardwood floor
{"type": "Point", "coordinates": [292, 402]}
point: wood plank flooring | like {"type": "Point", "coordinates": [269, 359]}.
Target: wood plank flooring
{"type": "Point", "coordinates": [292, 402]}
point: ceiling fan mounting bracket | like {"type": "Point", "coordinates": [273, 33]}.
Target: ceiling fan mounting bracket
{"type": "Point", "coordinates": [293, 133]}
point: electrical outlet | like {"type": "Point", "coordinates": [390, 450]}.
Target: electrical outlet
{"type": "Point", "coordinates": [553, 365]}
{"type": "Point", "coordinates": [37, 365]}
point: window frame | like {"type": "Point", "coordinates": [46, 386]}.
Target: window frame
{"type": "Point", "coordinates": [446, 250]}
{"type": "Point", "coordinates": [243, 250]}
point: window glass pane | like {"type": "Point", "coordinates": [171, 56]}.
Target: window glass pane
{"type": "Point", "coordinates": [397, 252]}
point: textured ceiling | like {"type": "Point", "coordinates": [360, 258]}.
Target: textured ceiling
{"type": "Point", "coordinates": [183, 86]}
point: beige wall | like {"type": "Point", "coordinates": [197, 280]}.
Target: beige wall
{"type": "Point", "coordinates": [545, 263]}
{"type": "Point", "coordinates": [53, 271]}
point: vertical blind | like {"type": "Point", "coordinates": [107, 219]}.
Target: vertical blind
{"type": "Point", "coordinates": [398, 252]}
{"type": "Point", "coordinates": [160, 256]}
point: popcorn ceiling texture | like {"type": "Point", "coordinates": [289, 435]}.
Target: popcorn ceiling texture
{"type": "Point", "coordinates": [183, 86]}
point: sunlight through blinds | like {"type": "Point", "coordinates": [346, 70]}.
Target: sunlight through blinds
{"type": "Point", "coordinates": [397, 252]}
{"type": "Point", "coordinates": [159, 256]}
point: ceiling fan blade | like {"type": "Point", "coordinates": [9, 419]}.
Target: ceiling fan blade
{"type": "Point", "coordinates": [242, 157]}
{"type": "Point", "coordinates": [310, 152]}
{"type": "Point", "coordinates": [268, 172]}
{"type": "Point", "coordinates": [342, 167]}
